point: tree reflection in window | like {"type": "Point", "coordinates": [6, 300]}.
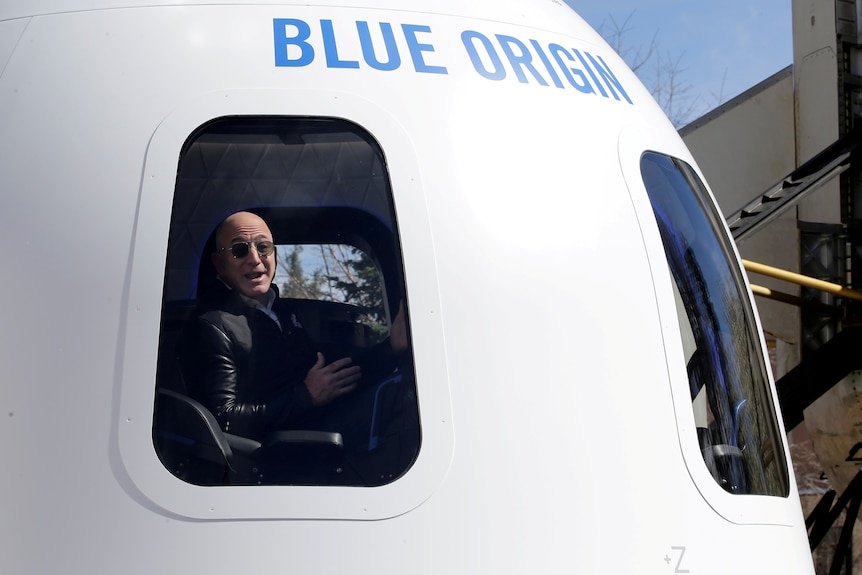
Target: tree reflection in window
{"type": "Point", "coordinates": [338, 273]}
{"type": "Point", "coordinates": [734, 413]}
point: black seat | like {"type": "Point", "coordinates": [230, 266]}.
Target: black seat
{"type": "Point", "coordinates": [193, 447]}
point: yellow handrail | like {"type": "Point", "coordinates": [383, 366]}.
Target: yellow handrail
{"type": "Point", "coordinates": [802, 280]}
{"type": "Point", "coordinates": [796, 300]}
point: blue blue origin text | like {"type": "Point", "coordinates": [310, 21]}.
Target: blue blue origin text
{"type": "Point", "coordinates": [496, 57]}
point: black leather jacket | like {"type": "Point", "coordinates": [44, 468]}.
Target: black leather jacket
{"type": "Point", "coordinates": [248, 372]}
{"type": "Point", "coordinates": [238, 363]}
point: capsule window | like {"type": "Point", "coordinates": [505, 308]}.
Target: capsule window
{"type": "Point", "coordinates": [284, 351]}
{"type": "Point", "coordinates": [733, 407]}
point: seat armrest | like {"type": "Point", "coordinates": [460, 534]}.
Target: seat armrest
{"type": "Point", "coordinates": [302, 446]}
{"type": "Point", "coordinates": [242, 445]}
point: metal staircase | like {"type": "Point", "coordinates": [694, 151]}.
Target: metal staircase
{"type": "Point", "coordinates": [810, 176]}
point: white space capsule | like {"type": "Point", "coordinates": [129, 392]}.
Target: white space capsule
{"type": "Point", "coordinates": [585, 389]}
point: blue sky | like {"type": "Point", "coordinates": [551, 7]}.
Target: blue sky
{"type": "Point", "coordinates": [723, 47]}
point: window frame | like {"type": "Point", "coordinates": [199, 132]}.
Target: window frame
{"type": "Point", "coordinates": [136, 454]}
{"type": "Point", "coordinates": [633, 142]}
{"type": "Point", "coordinates": [735, 406]}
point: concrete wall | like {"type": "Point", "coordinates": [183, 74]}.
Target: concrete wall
{"type": "Point", "coordinates": [744, 147]}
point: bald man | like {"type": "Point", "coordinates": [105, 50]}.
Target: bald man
{"type": "Point", "coordinates": [245, 356]}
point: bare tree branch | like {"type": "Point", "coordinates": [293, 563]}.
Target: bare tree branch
{"type": "Point", "coordinates": [663, 75]}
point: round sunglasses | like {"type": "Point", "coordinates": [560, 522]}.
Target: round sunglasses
{"type": "Point", "coordinates": [240, 250]}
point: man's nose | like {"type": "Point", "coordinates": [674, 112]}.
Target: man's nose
{"type": "Point", "coordinates": [253, 257]}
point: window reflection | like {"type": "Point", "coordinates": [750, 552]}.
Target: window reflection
{"type": "Point", "coordinates": [233, 402]}
{"type": "Point", "coordinates": [734, 415]}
